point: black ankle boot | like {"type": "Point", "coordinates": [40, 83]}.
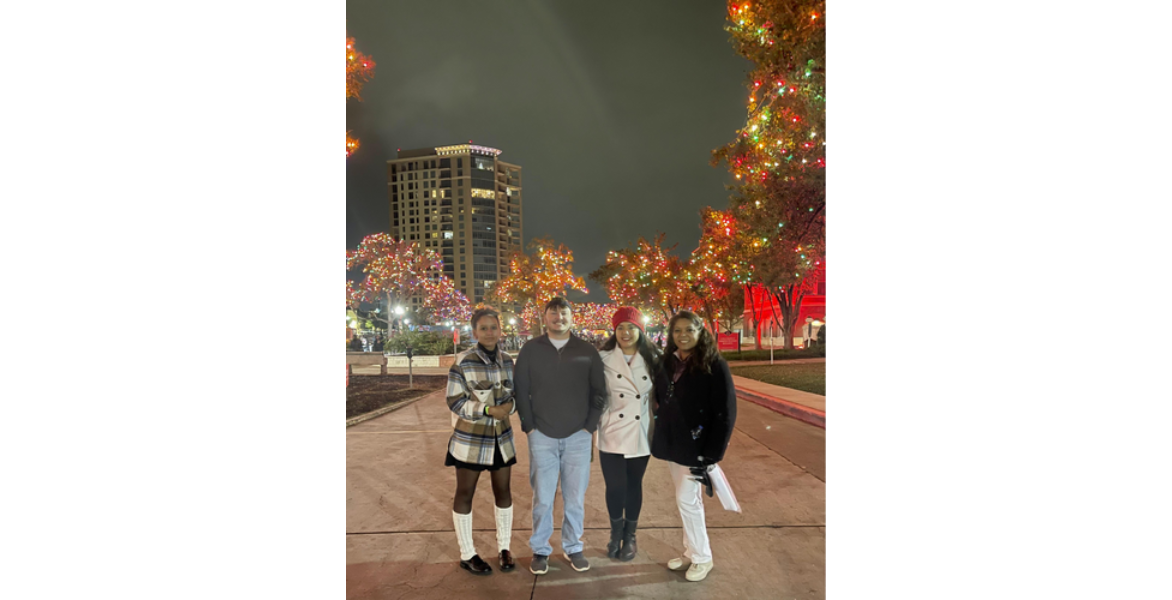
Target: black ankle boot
{"type": "Point", "coordinates": [629, 549]}
{"type": "Point", "coordinates": [616, 538]}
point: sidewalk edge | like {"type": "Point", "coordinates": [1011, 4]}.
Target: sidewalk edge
{"type": "Point", "coordinates": [793, 410]}
{"type": "Point", "coordinates": [378, 412]}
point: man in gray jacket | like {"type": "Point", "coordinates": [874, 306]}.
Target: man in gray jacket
{"type": "Point", "coordinates": [560, 394]}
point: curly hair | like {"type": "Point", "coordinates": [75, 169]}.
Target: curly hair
{"type": "Point", "coordinates": [703, 355]}
{"type": "Point", "coordinates": [485, 311]}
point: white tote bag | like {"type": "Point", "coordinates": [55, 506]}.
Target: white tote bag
{"type": "Point", "coordinates": [723, 490]}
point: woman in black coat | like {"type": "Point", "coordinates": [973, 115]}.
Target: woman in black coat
{"type": "Point", "coordinates": [693, 423]}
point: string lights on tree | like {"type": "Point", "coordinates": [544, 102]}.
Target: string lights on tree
{"type": "Point", "coordinates": [535, 278]}
{"type": "Point", "coordinates": [359, 70]}
{"type": "Point", "coordinates": [778, 158]}
{"type": "Point", "coordinates": [646, 276]}
{"type": "Point", "coordinates": [397, 271]}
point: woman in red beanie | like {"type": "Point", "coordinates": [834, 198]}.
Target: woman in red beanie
{"type": "Point", "coordinates": [629, 361]}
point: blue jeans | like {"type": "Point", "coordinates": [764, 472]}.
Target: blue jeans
{"type": "Point", "coordinates": [549, 458]}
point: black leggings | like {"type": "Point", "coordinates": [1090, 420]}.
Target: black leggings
{"type": "Point", "coordinates": [624, 484]}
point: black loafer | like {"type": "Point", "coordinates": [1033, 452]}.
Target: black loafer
{"type": "Point", "coordinates": [476, 566]}
{"type": "Point", "coordinates": [506, 560]}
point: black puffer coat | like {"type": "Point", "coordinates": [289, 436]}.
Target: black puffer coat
{"type": "Point", "coordinates": [698, 400]}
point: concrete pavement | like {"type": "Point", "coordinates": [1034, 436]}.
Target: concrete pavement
{"type": "Point", "coordinates": [400, 542]}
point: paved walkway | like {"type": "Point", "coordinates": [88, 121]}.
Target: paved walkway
{"type": "Point", "coordinates": [400, 542]}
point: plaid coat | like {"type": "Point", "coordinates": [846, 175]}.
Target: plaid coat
{"type": "Point", "coordinates": [473, 384]}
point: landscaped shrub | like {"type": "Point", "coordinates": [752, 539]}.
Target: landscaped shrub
{"type": "Point", "coordinates": [425, 343]}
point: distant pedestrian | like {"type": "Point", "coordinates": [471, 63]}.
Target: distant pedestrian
{"type": "Point", "coordinates": [356, 343]}
{"type": "Point", "coordinates": [378, 344]}
{"type": "Point", "coordinates": [822, 333]}
{"type": "Point", "coordinates": [697, 408]}
{"type": "Point", "coordinates": [480, 396]}
{"type": "Point", "coordinates": [629, 360]}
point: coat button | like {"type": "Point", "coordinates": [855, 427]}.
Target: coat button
{"type": "Point", "coordinates": [620, 375]}
{"type": "Point", "coordinates": [638, 396]}
{"type": "Point", "coordinates": [620, 415]}
{"type": "Point", "coordinates": [620, 395]}
{"type": "Point", "coordinates": [636, 417]}
{"type": "Point", "coordinates": [644, 378]}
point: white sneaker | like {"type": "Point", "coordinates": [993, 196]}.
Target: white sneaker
{"type": "Point", "coordinates": [698, 571]}
{"type": "Point", "coordinates": [676, 564]}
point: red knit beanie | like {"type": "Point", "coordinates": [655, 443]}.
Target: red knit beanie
{"type": "Point", "coordinates": [627, 313]}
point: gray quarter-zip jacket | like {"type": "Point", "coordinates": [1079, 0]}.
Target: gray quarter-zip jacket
{"type": "Point", "coordinates": [559, 392]}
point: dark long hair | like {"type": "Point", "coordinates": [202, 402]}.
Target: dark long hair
{"type": "Point", "coordinates": [650, 352]}
{"type": "Point", "coordinates": [703, 355]}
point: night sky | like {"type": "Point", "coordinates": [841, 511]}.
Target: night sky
{"type": "Point", "coordinates": [611, 109]}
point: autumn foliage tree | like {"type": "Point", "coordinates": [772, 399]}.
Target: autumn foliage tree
{"type": "Point", "coordinates": [778, 158]}
{"type": "Point", "coordinates": [537, 276]}
{"type": "Point", "coordinates": [359, 70]}
{"type": "Point", "coordinates": [719, 267]}
{"type": "Point", "coordinates": [397, 271]}
{"type": "Point", "coordinates": [647, 277]}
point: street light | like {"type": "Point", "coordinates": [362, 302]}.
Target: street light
{"type": "Point", "coordinates": [399, 310]}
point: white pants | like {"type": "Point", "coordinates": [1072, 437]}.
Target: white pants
{"type": "Point", "coordinates": [691, 504]}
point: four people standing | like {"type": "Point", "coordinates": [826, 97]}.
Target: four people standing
{"type": "Point", "coordinates": [680, 408]}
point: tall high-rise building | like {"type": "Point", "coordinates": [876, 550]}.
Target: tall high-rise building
{"type": "Point", "coordinates": [463, 202]}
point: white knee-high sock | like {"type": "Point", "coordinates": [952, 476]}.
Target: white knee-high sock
{"type": "Point", "coordinates": [464, 534]}
{"type": "Point", "coordinates": [504, 526]}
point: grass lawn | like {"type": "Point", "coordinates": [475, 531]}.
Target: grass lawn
{"type": "Point", "coordinates": [805, 377]}
{"type": "Point", "coordinates": [778, 354]}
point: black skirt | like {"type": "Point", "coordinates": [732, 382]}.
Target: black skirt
{"type": "Point", "coordinates": [498, 462]}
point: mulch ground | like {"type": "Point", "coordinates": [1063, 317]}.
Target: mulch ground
{"type": "Point", "coordinates": [372, 392]}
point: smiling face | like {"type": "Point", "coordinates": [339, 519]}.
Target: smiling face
{"type": "Point", "coordinates": [685, 334]}
{"type": "Point", "coordinates": [627, 335]}
{"type": "Point", "coordinates": [558, 321]}
{"type": "Point", "coordinates": [487, 331]}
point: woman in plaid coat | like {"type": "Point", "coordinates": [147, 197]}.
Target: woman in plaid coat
{"type": "Point", "coordinates": [480, 396]}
